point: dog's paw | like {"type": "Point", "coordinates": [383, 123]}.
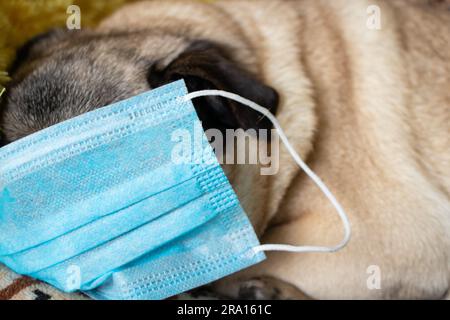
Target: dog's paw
{"type": "Point", "coordinates": [260, 288]}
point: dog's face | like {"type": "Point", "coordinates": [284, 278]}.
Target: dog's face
{"type": "Point", "coordinates": [62, 74]}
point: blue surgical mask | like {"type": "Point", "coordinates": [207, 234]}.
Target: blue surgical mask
{"type": "Point", "coordinates": [97, 204]}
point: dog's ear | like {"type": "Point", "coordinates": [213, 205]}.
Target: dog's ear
{"type": "Point", "coordinates": [204, 65]}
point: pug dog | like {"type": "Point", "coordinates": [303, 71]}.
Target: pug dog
{"type": "Point", "coordinates": [361, 89]}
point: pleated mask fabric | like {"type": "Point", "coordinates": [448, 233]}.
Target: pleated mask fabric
{"type": "Point", "coordinates": [101, 194]}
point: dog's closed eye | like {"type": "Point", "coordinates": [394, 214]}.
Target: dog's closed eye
{"type": "Point", "coordinates": [204, 65]}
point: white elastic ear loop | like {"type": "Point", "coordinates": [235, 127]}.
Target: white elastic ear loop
{"type": "Point", "coordinates": [299, 161]}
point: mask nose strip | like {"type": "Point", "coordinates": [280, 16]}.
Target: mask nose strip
{"type": "Point", "coordinates": [322, 186]}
